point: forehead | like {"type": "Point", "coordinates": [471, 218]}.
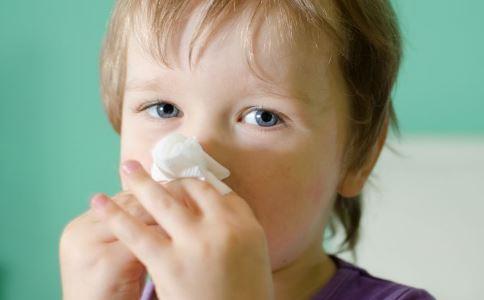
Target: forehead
{"type": "Point", "coordinates": [293, 66]}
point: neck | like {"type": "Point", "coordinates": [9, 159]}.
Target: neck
{"type": "Point", "coordinates": [305, 276]}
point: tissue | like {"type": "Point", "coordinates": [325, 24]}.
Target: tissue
{"type": "Point", "coordinates": [177, 156]}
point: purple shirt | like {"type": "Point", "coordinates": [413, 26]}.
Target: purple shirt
{"type": "Point", "coordinates": [349, 282]}
{"type": "Point", "coordinates": [352, 282]}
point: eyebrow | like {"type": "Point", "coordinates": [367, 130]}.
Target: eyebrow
{"type": "Point", "coordinates": [135, 85]}
{"type": "Point", "coordinates": [267, 89]}
{"type": "Point", "coordinates": [292, 94]}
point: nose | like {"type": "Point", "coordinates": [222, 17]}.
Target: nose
{"type": "Point", "coordinates": [211, 139]}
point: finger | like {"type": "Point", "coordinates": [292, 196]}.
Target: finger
{"type": "Point", "coordinates": [130, 204]}
{"type": "Point", "coordinates": [89, 227]}
{"type": "Point", "coordinates": [170, 213]}
{"type": "Point", "coordinates": [145, 244]}
{"type": "Point", "coordinates": [97, 230]}
{"type": "Point", "coordinates": [178, 192]}
{"type": "Point", "coordinates": [206, 196]}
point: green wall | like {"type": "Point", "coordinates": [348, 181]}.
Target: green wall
{"type": "Point", "coordinates": [56, 145]}
{"type": "Point", "coordinates": [441, 84]}
{"type": "Point", "coordinates": [57, 148]}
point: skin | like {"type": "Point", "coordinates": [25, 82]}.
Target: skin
{"type": "Point", "coordinates": [287, 176]}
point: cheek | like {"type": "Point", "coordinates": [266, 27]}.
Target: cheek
{"type": "Point", "coordinates": [288, 193]}
{"type": "Point", "coordinates": [136, 146]}
{"type": "Point", "coordinates": [278, 183]}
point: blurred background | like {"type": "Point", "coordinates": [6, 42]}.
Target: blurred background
{"type": "Point", "coordinates": [422, 224]}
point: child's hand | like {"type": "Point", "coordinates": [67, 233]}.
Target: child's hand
{"type": "Point", "coordinates": [94, 263]}
{"type": "Point", "coordinates": [216, 252]}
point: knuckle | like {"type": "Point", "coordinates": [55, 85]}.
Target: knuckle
{"type": "Point", "coordinates": [133, 207]}
{"type": "Point", "coordinates": [123, 198]}
{"type": "Point", "coordinates": [129, 203]}
{"type": "Point", "coordinates": [65, 239]}
{"type": "Point", "coordinates": [69, 230]}
{"type": "Point", "coordinates": [71, 238]}
{"type": "Point", "coordinates": [136, 210]}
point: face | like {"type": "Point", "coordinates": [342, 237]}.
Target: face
{"type": "Point", "coordinates": [284, 153]}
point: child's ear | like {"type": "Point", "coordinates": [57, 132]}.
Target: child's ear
{"type": "Point", "coordinates": [353, 182]}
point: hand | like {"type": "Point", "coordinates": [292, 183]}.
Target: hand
{"type": "Point", "coordinates": [216, 251]}
{"type": "Point", "coordinates": [94, 263]}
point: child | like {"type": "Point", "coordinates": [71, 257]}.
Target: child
{"type": "Point", "coordinates": [293, 97]}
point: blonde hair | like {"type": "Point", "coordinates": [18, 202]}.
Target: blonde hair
{"type": "Point", "coordinates": [365, 34]}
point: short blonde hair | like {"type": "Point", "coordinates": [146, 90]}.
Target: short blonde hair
{"type": "Point", "coordinates": [365, 34]}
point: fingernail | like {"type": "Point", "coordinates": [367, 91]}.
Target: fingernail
{"type": "Point", "coordinates": [99, 201]}
{"type": "Point", "coordinates": [131, 166]}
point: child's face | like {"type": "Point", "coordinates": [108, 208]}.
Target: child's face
{"type": "Point", "coordinates": [288, 173]}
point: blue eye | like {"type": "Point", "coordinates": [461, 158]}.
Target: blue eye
{"type": "Point", "coordinates": [163, 110]}
{"type": "Point", "coordinates": [261, 117]}
{"type": "Point", "coordinates": [264, 118]}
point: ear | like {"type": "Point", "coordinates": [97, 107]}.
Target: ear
{"type": "Point", "coordinates": [353, 182]}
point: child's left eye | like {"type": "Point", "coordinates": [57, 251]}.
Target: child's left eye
{"type": "Point", "coordinates": [264, 118]}
{"type": "Point", "coordinates": [163, 110]}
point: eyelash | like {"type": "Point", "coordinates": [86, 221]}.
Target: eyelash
{"type": "Point", "coordinates": [280, 120]}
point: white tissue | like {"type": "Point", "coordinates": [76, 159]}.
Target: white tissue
{"type": "Point", "coordinates": [176, 156]}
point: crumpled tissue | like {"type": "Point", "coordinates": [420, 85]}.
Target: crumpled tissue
{"type": "Point", "coordinates": [177, 156]}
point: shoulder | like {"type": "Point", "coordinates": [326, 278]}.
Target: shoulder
{"type": "Point", "coordinates": [415, 294]}
{"type": "Point", "coordinates": [353, 282]}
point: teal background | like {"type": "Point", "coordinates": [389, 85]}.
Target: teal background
{"type": "Point", "coordinates": [57, 147]}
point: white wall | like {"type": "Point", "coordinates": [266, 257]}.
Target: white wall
{"type": "Point", "coordinates": [423, 222]}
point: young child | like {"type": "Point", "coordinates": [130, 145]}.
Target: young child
{"type": "Point", "coordinates": [293, 97]}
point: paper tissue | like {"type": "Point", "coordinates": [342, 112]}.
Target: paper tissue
{"type": "Point", "coordinates": [176, 156]}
